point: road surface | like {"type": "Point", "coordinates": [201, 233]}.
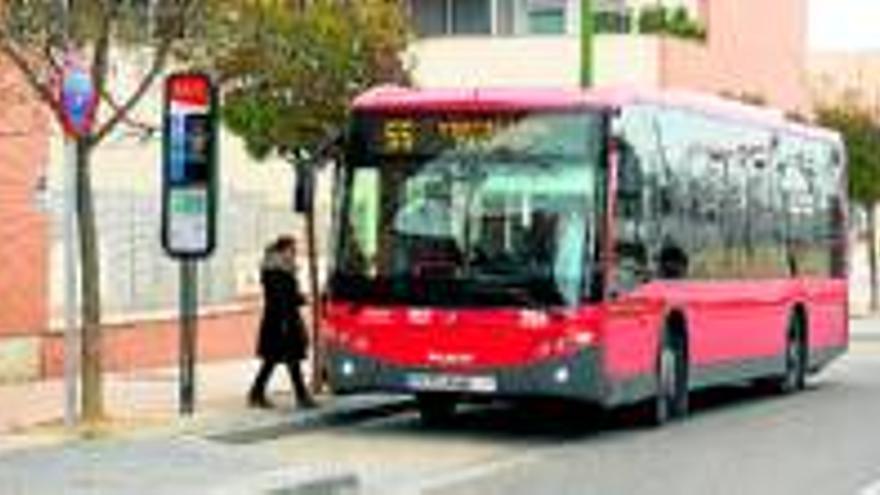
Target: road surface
{"type": "Point", "coordinates": [737, 440]}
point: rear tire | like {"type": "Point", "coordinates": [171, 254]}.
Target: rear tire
{"type": "Point", "coordinates": [671, 399]}
{"type": "Point", "coordinates": [795, 376]}
{"type": "Point", "coordinates": [435, 409]}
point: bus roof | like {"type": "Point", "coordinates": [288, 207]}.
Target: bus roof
{"type": "Point", "coordinates": [400, 99]}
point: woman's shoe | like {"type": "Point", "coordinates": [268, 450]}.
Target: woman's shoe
{"type": "Point", "coordinates": [260, 403]}
{"type": "Point", "coordinates": [306, 403]}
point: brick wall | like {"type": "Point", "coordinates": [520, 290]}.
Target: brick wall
{"type": "Point", "coordinates": [753, 46]}
{"type": "Point", "coordinates": [23, 227]}
{"type": "Point", "coordinates": [145, 344]}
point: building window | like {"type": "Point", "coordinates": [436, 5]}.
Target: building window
{"type": "Point", "coordinates": [429, 17]}
{"type": "Point", "coordinates": [613, 21]}
{"type": "Point", "coordinates": [471, 17]}
{"type": "Point", "coordinates": [546, 16]}
{"type": "Point", "coordinates": [445, 17]}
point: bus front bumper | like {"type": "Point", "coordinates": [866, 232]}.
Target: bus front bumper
{"type": "Point", "coordinates": [577, 376]}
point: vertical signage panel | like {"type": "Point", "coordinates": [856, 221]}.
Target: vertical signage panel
{"type": "Point", "coordinates": [189, 175]}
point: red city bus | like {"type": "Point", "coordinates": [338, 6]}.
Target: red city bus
{"type": "Point", "coordinates": [613, 246]}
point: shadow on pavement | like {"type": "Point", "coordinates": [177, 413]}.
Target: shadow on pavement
{"type": "Point", "coordinates": [555, 421]}
{"type": "Point", "coordinates": [550, 421]}
{"type": "Point", "coordinates": [299, 423]}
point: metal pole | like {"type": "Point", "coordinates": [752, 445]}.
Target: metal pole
{"type": "Point", "coordinates": [587, 56]}
{"type": "Point", "coordinates": [188, 334]}
{"type": "Point", "coordinates": [68, 232]}
{"type": "Point", "coordinates": [71, 331]}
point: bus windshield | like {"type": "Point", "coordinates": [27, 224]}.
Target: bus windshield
{"type": "Point", "coordinates": [468, 210]}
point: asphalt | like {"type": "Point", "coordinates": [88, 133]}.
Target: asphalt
{"type": "Point", "coordinates": [738, 440]}
{"type": "Point", "coordinates": [220, 457]}
{"type": "Point", "coordinates": [825, 440]}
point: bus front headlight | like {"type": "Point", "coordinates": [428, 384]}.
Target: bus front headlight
{"type": "Point", "coordinates": [347, 368]}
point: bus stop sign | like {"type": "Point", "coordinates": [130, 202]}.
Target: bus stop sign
{"type": "Point", "coordinates": [78, 99]}
{"type": "Point", "coordinates": [189, 178]}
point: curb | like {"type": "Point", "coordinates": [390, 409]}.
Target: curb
{"type": "Point", "coordinates": [342, 411]}
{"type": "Point", "coordinates": [319, 481]}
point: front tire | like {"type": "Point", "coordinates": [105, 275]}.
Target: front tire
{"type": "Point", "coordinates": [671, 399]}
{"type": "Point", "coordinates": [435, 409]}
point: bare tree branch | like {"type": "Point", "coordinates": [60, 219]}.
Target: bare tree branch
{"type": "Point", "coordinates": [102, 46]}
{"type": "Point", "coordinates": [160, 59]}
{"type": "Point", "coordinates": [156, 68]}
{"type": "Point", "coordinates": [43, 90]}
{"type": "Point", "coordinates": [128, 120]}
{"type": "Point", "coordinates": [49, 56]}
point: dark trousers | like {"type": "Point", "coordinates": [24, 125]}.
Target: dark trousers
{"type": "Point", "coordinates": [258, 389]}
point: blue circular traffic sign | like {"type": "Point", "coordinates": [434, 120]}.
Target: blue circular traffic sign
{"type": "Point", "coordinates": [78, 99]}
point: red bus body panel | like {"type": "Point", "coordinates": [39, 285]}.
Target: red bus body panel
{"type": "Point", "coordinates": [729, 323]}
{"type": "Point", "coordinates": [458, 339]}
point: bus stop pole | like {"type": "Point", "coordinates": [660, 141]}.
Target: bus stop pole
{"type": "Point", "coordinates": [71, 331]}
{"type": "Point", "coordinates": [188, 334]}
{"type": "Point", "coordinates": [587, 77]}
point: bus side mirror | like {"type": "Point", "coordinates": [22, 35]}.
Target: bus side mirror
{"type": "Point", "coordinates": [309, 161]}
{"type": "Point", "coordinates": [304, 191]}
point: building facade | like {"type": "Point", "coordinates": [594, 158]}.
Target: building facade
{"type": "Point", "coordinates": [139, 283]}
{"type": "Point", "coordinates": [433, 18]}
{"type": "Point", "coordinates": [747, 47]}
{"type": "Point", "coordinates": [24, 228]}
{"type": "Point", "coordinates": [743, 47]}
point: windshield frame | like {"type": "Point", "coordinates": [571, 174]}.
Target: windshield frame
{"type": "Point", "coordinates": [340, 285]}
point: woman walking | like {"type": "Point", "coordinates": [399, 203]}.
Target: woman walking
{"type": "Point", "coordinates": [283, 337]}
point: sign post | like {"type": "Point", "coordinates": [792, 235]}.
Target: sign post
{"type": "Point", "coordinates": [189, 202]}
{"type": "Point", "coordinates": [587, 41]}
{"type": "Point", "coordinates": [78, 100]}
{"type": "Point", "coordinates": [189, 307]}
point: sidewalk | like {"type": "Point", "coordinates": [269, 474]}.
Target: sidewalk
{"type": "Point", "coordinates": [141, 401]}
{"type": "Point", "coordinates": [32, 413]}
{"type": "Point", "coordinates": [864, 327]}
{"type": "Point", "coordinates": [216, 452]}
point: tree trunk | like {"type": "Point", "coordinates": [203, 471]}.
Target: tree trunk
{"type": "Point", "coordinates": [92, 391]}
{"type": "Point", "coordinates": [872, 257]}
{"type": "Point", "coordinates": [317, 348]}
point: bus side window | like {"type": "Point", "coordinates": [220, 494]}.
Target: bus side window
{"type": "Point", "coordinates": [837, 218]}
{"type": "Point", "coordinates": [631, 252]}
{"type": "Point", "coordinates": [644, 195]}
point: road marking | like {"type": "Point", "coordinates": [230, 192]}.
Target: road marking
{"type": "Point", "coordinates": [865, 347]}
{"type": "Point", "coordinates": [872, 489]}
{"type": "Point", "coordinates": [464, 474]}
{"type": "Point", "coordinates": [336, 480]}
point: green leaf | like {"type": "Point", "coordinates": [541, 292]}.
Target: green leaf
{"type": "Point", "coordinates": [289, 74]}
{"type": "Point", "coordinates": [861, 134]}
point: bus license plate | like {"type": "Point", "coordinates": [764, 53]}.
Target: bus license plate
{"type": "Point", "coordinates": [451, 383]}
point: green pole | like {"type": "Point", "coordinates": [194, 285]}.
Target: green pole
{"type": "Point", "coordinates": [587, 29]}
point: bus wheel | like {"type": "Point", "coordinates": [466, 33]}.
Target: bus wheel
{"type": "Point", "coordinates": [795, 376]}
{"type": "Point", "coordinates": [435, 409]}
{"type": "Point", "coordinates": [671, 399]}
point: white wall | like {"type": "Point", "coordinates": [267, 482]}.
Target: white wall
{"type": "Point", "coordinates": [137, 278]}
{"type": "Point", "coordinates": [535, 61]}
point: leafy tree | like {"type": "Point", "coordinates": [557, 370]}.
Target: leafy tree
{"type": "Point", "coordinates": [288, 72]}
{"type": "Point", "coordinates": [861, 133]}
{"type": "Point", "coordinates": [658, 19]}
{"type": "Point", "coordinates": [36, 36]}
{"type": "Point", "coordinates": [652, 19]}
{"type": "Point", "coordinates": [681, 24]}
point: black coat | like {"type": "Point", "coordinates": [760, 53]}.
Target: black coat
{"type": "Point", "coordinates": [283, 333]}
